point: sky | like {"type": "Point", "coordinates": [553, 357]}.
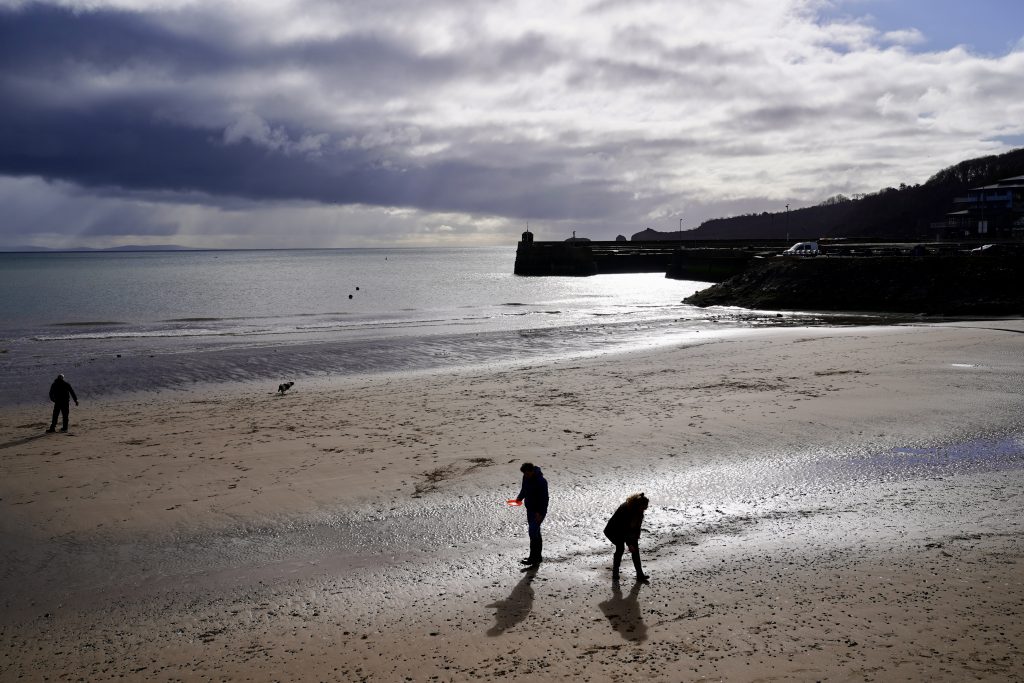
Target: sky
{"type": "Point", "coordinates": [362, 123]}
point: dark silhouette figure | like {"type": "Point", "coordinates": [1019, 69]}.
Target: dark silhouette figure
{"type": "Point", "coordinates": [624, 613]}
{"type": "Point", "coordinates": [61, 394]}
{"type": "Point", "coordinates": [535, 493]}
{"type": "Point", "coordinates": [623, 529]}
{"type": "Point", "coordinates": [515, 607]}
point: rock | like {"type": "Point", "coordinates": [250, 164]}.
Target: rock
{"type": "Point", "coordinates": [940, 285]}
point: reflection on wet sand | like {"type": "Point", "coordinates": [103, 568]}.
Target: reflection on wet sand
{"type": "Point", "coordinates": [515, 607]}
{"type": "Point", "coordinates": [818, 516]}
{"type": "Point", "coordinates": [623, 613]}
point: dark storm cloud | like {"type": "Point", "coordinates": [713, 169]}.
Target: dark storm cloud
{"type": "Point", "coordinates": [129, 221]}
{"type": "Point", "coordinates": [127, 142]}
{"type": "Point", "coordinates": [123, 146]}
{"type": "Point", "coordinates": [43, 41]}
{"type": "Point", "coordinates": [48, 42]}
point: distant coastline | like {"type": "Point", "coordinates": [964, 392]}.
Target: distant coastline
{"type": "Point", "coordinates": [127, 247]}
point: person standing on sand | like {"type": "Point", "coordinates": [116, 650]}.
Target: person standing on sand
{"type": "Point", "coordinates": [61, 394]}
{"type": "Point", "coordinates": [623, 529]}
{"type": "Point", "coordinates": [535, 493]}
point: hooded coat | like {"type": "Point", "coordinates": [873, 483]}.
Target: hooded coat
{"type": "Point", "coordinates": [535, 492]}
{"type": "Point", "coordinates": [61, 392]}
{"type": "Point", "coordinates": [624, 526]}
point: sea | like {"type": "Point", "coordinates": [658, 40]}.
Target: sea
{"type": "Point", "coordinates": [116, 322]}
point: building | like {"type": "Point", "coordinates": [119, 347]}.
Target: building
{"type": "Point", "coordinates": [988, 212]}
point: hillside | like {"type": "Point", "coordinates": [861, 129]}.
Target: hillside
{"type": "Point", "coordinates": [892, 213]}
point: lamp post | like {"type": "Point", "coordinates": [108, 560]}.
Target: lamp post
{"type": "Point", "coordinates": [787, 222]}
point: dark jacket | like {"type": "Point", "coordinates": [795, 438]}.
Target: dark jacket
{"type": "Point", "coordinates": [535, 492]}
{"type": "Point", "coordinates": [61, 392]}
{"type": "Point", "coordinates": [624, 526]}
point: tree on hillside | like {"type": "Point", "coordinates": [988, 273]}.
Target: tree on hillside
{"type": "Point", "coordinates": [899, 213]}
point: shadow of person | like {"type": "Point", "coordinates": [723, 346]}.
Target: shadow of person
{"type": "Point", "coordinates": [515, 607]}
{"type": "Point", "coordinates": [623, 613]}
{"type": "Point", "coordinates": [22, 441]}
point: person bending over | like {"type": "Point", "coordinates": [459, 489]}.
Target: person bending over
{"type": "Point", "coordinates": [623, 529]}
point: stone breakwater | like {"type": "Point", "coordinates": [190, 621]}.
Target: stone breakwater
{"type": "Point", "coordinates": [934, 285]}
{"type": "Point", "coordinates": [708, 261]}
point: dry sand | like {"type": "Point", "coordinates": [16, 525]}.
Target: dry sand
{"type": "Point", "coordinates": [827, 504]}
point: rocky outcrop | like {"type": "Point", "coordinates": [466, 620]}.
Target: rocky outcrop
{"type": "Point", "coordinates": [649, 235]}
{"type": "Point", "coordinates": [938, 285]}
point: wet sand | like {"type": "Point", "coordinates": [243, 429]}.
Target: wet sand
{"type": "Point", "coordinates": [827, 504]}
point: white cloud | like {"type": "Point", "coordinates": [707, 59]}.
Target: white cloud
{"type": "Point", "coordinates": [674, 107]}
{"type": "Point", "coordinates": [250, 127]}
{"type": "Point", "coordinates": [904, 37]}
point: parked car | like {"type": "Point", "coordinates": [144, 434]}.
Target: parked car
{"type": "Point", "coordinates": [1015, 249]}
{"type": "Point", "coordinates": [803, 249]}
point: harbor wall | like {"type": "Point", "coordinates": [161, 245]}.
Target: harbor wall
{"type": "Point", "coordinates": [686, 260]}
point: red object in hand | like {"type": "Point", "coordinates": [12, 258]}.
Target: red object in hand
{"type": "Point", "coordinates": [513, 501]}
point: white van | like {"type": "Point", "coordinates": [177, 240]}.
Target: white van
{"type": "Point", "coordinates": [803, 249]}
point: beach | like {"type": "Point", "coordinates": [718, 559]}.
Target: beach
{"type": "Point", "coordinates": [828, 503]}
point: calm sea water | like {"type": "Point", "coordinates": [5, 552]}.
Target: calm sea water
{"type": "Point", "coordinates": [150, 320]}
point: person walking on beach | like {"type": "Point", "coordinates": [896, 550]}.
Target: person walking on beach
{"type": "Point", "coordinates": [623, 529]}
{"type": "Point", "coordinates": [535, 493]}
{"type": "Point", "coordinates": [61, 394]}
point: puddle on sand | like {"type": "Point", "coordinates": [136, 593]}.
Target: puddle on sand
{"type": "Point", "coordinates": [688, 504]}
{"type": "Point", "coordinates": [958, 458]}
